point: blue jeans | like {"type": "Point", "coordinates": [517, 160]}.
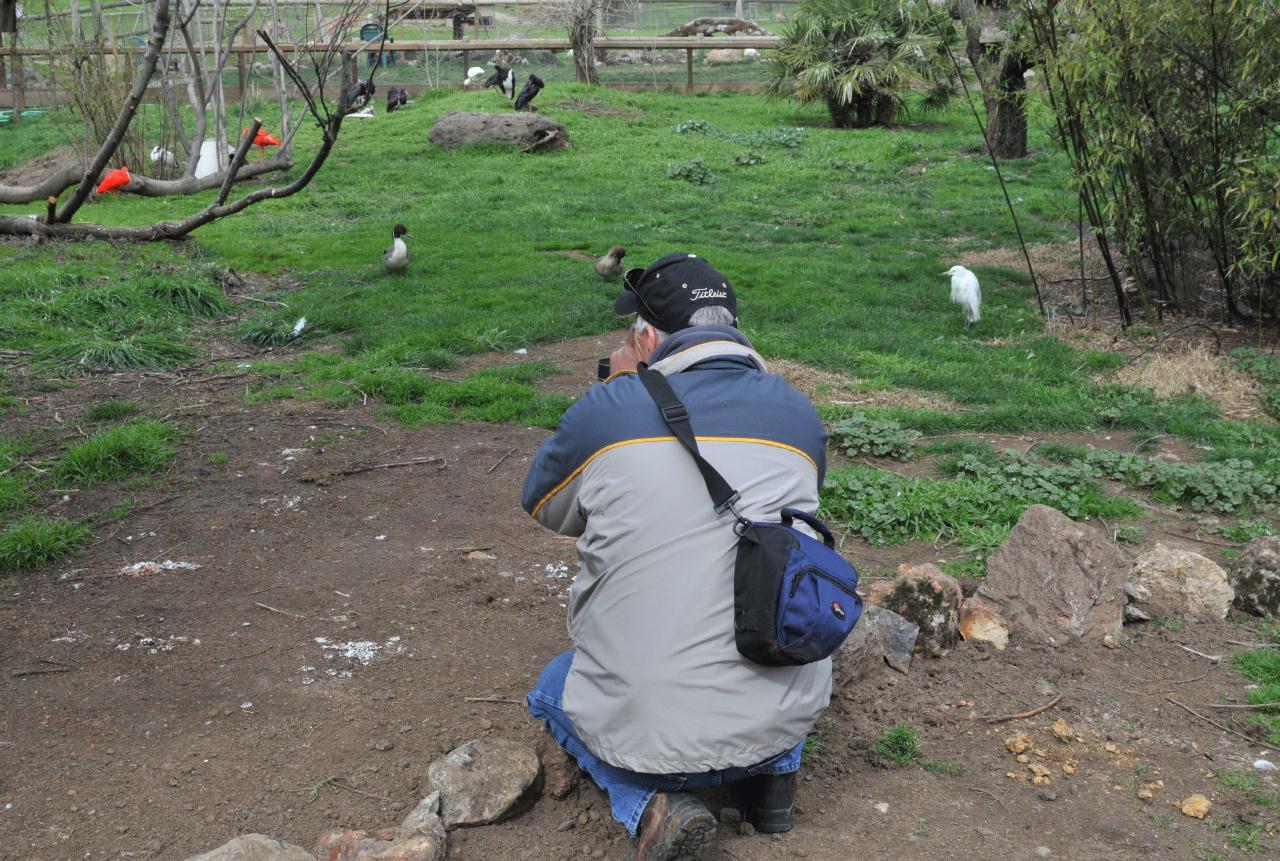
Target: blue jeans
{"type": "Point", "coordinates": [630, 791]}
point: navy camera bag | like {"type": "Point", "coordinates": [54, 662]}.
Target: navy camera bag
{"type": "Point", "coordinates": [795, 598]}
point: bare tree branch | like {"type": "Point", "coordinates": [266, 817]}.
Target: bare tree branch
{"type": "Point", "coordinates": [159, 30]}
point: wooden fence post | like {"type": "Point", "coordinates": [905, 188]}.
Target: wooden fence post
{"type": "Point", "coordinates": [688, 68]}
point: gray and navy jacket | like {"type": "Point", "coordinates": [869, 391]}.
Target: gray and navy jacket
{"type": "Point", "coordinates": [657, 684]}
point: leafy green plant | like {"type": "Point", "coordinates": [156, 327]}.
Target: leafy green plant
{"type": "Point", "coordinates": [693, 127]}
{"type": "Point", "coordinates": [218, 458]}
{"type": "Point", "coordinates": [109, 411]}
{"type": "Point", "coordinates": [193, 298]}
{"type": "Point", "coordinates": [34, 541]}
{"type": "Point", "coordinates": [136, 447]}
{"type": "Point", "coordinates": [694, 171]}
{"type": "Point", "coordinates": [900, 745]}
{"type": "Point", "coordinates": [860, 58]}
{"type": "Point", "coordinates": [748, 158]}
{"type": "Point", "coordinates": [861, 434]}
{"type": "Point", "coordinates": [1263, 667]}
{"type": "Point", "coordinates": [1246, 530]}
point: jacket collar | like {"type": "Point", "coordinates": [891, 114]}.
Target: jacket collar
{"type": "Point", "coordinates": [688, 347]}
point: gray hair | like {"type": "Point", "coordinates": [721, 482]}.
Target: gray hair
{"type": "Point", "coordinates": [711, 315]}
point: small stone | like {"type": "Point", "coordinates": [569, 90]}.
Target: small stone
{"type": "Point", "coordinates": [400, 844]}
{"type": "Point", "coordinates": [746, 829]}
{"type": "Point", "coordinates": [1039, 774]}
{"type": "Point", "coordinates": [1023, 758]}
{"type": "Point", "coordinates": [1264, 765]}
{"type": "Point", "coordinates": [567, 825]}
{"type": "Point", "coordinates": [480, 555]}
{"type": "Point", "coordinates": [1195, 806]}
{"type": "Point", "coordinates": [1043, 852]}
{"type": "Point", "coordinates": [485, 723]}
{"type": "Point", "coordinates": [383, 744]}
{"type": "Point", "coordinates": [882, 806]}
{"type": "Point", "coordinates": [1048, 795]}
{"type": "Point", "coordinates": [426, 817]}
{"type": "Point", "coordinates": [1046, 689]}
{"type": "Point", "coordinates": [1068, 768]}
{"type": "Point", "coordinates": [583, 820]}
{"type": "Point", "coordinates": [1110, 748]}
{"type": "Point", "coordinates": [560, 772]}
{"type": "Point", "coordinates": [1018, 742]}
{"type": "Point", "coordinates": [1109, 641]}
{"type": "Point", "coordinates": [730, 815]}
{"type": "Point", "coordinates": [1062, 731]}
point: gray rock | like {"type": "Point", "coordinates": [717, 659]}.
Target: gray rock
{"type": "Point", "coordinates": [483, 781]}
{"type": "Point", "coordinates": [255, 847]}
{"type": "Point", "coordinates": [1136, 595]}
{"type": "Point", "coordinates": [529, 131]}
{"type": "Point", "coordinates": [385, 844]}
{"type": "Point", "coordinates": [1057, 580]}
{"type": "Point", "coordinates": [881, 637]}
{"type": "Point", "coordinates": [426, 817]}
{"type": "Point", "coordinates": [1182, 585]}
{"type": "Point", "coordinates": [1255, 575]}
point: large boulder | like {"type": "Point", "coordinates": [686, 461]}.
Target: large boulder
{"type": "Point", "coordinates": [1255, 575]}
{"type": "Point", "coordinates": [529, 131]}
{"type": "Point", "coordinates": [880, 638]}
{"type": "Point", "coordinates": [929, 599]}
{"type": "Point", "coordinates": [255, 847]}
{"type": "Point", "coordinates": [1180, 584]}
{"type": "Point", "coordinates": [1056, 580]}
{"type": "Point", "coordinates": [483, 781]}
{"type": "Point", "coordinates": [385, 844]}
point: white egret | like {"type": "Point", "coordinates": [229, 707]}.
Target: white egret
{"type": "Point", "coordinates": [965, 291]}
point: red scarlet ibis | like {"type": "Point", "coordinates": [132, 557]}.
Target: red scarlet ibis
{"type": "Point", "coordinates": [114, 181]}
{"type": "Point", "coordinates": [264, 139]}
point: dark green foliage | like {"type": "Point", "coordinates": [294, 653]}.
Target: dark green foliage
{"type": "Point", "coordinates": [33, 541]}
{"type": "Point", "coordinates": [1059, 452]}
{"type": "Point", "coordinates": [109, 411]}
{"type": "Point", "coordinates": [137, 447]}
{"type": "Point", "coordinates": [900, 745]}
{"type": "Point", "coordinates": [1247, 530]}
{"type": "Point", "coordinates": [749, 158]}
{"type": "Point", "coordinates": [861, 434]}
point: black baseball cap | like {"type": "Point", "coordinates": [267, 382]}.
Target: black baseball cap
{"type": "Point", "coordinates": [669, 290]}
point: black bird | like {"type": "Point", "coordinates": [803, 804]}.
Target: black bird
{"type": "Point", "coordinates": [503, 78]}
{"type": "Point", "coordinates": [404, 98]}
{"type": "Point", "coordinates": [532, 87]}
{"type": "Point", "coordinates": [359, 93]}
{"type": "Point", "coordinates": [393, 99]}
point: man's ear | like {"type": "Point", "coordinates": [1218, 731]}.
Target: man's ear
{"type": "Point", "coordinates": [646, 342]}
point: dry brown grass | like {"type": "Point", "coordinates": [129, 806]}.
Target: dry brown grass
{"type": "Point", "coordinates": [1195, 369]}
{"type": "Point", "coordinates": [830, 387]}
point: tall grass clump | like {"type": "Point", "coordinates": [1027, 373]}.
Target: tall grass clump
{"type": "Point", "coordinates": [34, 541]}
{"type": "Point", "coordinates": [137, 447]}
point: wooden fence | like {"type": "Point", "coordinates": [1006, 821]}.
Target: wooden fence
{"type": "Point", "coordinates": [477, 50]}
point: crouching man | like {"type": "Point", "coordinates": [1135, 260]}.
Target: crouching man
{"type": "Point", "coordinates": [655, 700]}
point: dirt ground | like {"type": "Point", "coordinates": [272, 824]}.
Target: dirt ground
{"type": "Point", "coordinates": [325, 650]}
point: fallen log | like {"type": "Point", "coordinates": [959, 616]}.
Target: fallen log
{"type": "Point", "coordinates": [143, 186]}
{"type": "Point", "coordinates": [530, 132]}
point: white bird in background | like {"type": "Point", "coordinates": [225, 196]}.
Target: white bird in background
{"type": "Point", "coordinates": [298, 327]}
{"type": "Point", "coordinates": [474, 75]}
{"type": "Point", "coordinates": [162, 155]}
{"type": "Point", "coordinates": [965, 291]}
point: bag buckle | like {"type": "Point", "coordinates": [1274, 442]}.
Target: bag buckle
{"type": "Point", "coordinates": [675, 413]}
{"type": "Point", "coordinates": [729, 505]}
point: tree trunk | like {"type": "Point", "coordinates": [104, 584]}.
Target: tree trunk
{"type": "Point", "coordinates": [1007, 108]}
{"type": "Point", "coordinates": [841, 114]}
{"type": "Point", "coordinates": [582, 35]}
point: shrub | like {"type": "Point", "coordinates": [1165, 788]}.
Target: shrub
{"type": "Point", "coordinates": [99, 353]}
{"type": "Point", "coordinates": [33, 541]}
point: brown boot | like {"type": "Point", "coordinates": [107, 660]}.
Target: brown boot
{"type": "Point", "coordinates": [674, 826]}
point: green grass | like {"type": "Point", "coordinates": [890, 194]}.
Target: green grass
{"type": "Point", "coordinates": [139, 447]}
{"type": "Point", "coordinates": [818, 742]}
{"type": "Point", "coordinates": [944, 766]}
{"type": "Point", "coordinates": [1263, 667]}
{"type": "Point", "coordinates": [34, 541]}
{"type": "Point", "coordinates": [110, 411]}
{"type": "Point", "coordinates": [900, 745]}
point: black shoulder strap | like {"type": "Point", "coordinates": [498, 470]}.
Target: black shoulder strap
{"type": "Point", "coordinates": [677, 419]}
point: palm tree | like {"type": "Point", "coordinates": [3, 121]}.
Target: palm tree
{"type": "Point", "coordinates": [861, 57]}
